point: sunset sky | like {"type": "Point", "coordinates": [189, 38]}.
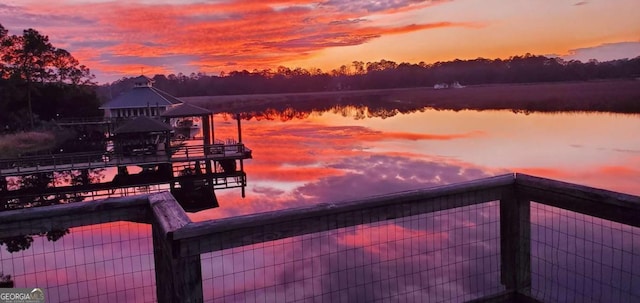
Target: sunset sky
{"type": "Point", "coordinates": [121, 38]}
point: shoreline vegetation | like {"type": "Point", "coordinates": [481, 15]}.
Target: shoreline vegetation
{"type": "Point", "coordinates": [614, 96]}
{"type": "Point", "coordinates": [385, 74]}
{"type": "Point", "coordinates": [13, 145]}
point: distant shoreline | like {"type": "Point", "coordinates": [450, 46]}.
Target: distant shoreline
{"type": "Point", "coordinates": [616, 96]}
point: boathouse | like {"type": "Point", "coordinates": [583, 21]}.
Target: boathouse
{"type": "Point", "coordinates": [151, 144]}
{"type": "Point", "coordinates": [142, 135]}
{"type": "Point", "coordinates": [142, 100]}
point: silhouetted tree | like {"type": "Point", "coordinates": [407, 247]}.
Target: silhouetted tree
{"type": "Point", "coordinates": [30, 63]}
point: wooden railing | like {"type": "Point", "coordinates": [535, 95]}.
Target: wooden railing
{"type": "Point", "coordinates": [179, 242]}
{"type": "Point", "coordinates": [237, 150]}
{"type": "Point", "coordinates": [93, 160]}
{"type": "Point", "coordinates": [84, 120]}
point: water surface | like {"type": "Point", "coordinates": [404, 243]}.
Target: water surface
{"type": "Point", "coordinates": [348, 152]}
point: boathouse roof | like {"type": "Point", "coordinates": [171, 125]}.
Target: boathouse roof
{"type": "Point", "coordinates": [186, 110]}
{"type": "Point", "coordinates": [143, 94]}
{"type": "Point", "coordinates": [142, 124]}
{"type": "Point", "coordinates": [143, 80]}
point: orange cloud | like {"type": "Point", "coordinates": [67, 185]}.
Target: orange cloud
{"type": "Point", "coordinates": [132, 69]}
{"type": "Point", "coordinates": [619, 170]}
{"type": "Point", "coordinates": [417, 27]}
{"type": "Point", "coordinates": [209, 36]}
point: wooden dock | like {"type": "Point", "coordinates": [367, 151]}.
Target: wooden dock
{"type": "Point", "coordinates": [81, 161]}
{"type": "Point", "coordinates": [214, 166]}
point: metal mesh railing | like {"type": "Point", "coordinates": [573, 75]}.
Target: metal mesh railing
{"type": "Point", "coordinates": [446, 256]}
{"type": "Point", "coordinates": [445, 244]}
{"type": "Point", "coordinates": [111, 262]}
{"type": "Point", "coordinates": [580, 258]}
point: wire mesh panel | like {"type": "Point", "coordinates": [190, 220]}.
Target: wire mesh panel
{"type": "Point", "coordinates": [446, 256]}
{"type": "Point", "coordinates": [111, 262]}
{"type": "Point", "coordinates": [579, 258]}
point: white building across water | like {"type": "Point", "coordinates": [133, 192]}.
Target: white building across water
{"type": "Point", "coordinates": [142, 100]}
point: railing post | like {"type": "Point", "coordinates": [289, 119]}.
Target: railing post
{"type": "Point", "coordinates": [515, 241]}
{"type": "Point", "coordinates": [178, 279]}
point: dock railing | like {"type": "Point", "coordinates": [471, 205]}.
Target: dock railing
{"type": "Point", "coordinates": [509, 238]}
{"type": "Point", "coordinates": [93, 160]}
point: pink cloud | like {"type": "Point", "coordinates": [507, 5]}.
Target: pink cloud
{"type": "Point", "coordinates": [605, 52]}
{"type": "Point", "coordinates": [382, 240]}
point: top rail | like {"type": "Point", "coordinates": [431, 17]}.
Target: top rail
{"type": "Point", "coordinates": [605, 204]}
{"type": "Point", "coordinates": [213, 235]}
{"type": "Point", "coordinates": [198, 237]}
{"type": "Point", "coordinates": [178, 242]}
{"type": "Point", "coordinates": [93, 119]}
{"type": "Point", "coordinates": [36, 220]}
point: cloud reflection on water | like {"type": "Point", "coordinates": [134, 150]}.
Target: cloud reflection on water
{"type": "Point", "coordinates": [303, 162]}
{"type": "Point", "coordinates": [369, 171]}
{"type": "Point", "coordinates": [412, 259]}
{"type": "Point", "coordinates": [300, 162]}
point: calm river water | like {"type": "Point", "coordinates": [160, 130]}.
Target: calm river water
{"type": "Point", "coordinates": [302, 158]}
{"type": "Point", "coordinates": [348, 152]}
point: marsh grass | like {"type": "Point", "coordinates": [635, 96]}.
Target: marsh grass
{"type": "Point", "coordinates": [13, 145]}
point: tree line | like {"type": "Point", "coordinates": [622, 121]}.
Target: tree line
{"type": "Point", "coordinates": [40, 82]}
{"type": "Point", "coordinates": [386, 74]}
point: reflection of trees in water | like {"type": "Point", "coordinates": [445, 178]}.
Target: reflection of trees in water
{"type": "Point", "coordinates": [613, 97]}
{"type": "Point", "coordinates": [272, 114]}
{"type": "Point", "coordinates": [357, 112]}
{"type": "Point", "coordinates": [5, 281]}
{"type": "Point", "coordinates": [377, 104]}
{"type": "Point", "coordinates": [36, 187]}
{"type": "Point", "coordinates": [18, 243]}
